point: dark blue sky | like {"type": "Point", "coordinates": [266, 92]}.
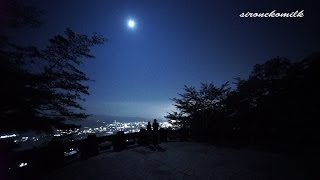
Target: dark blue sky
{"type": "Point", "coordinates": [175, 43]}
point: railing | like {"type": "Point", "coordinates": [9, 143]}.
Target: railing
{"type": "Point", "coordinates": [58, 153]}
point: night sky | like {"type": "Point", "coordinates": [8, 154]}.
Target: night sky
{"type": "Point", "coordinates": [174, 43]}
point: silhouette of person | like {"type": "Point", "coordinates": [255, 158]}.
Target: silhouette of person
{"type": "Point", "coordinates": [155, 127]}
{"type": "Point", "coordinates": [149, 132]}
{"type": "Point", "coordinates": [149, 127]}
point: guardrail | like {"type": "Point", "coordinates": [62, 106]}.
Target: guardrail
{"type": "Point", "coordinates": [37, 161]}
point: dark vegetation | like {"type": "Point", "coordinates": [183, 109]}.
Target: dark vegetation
{"type": "Point", "coordinates": [277, 103]}
{"type": "Point", "coordinates": [41, 87]}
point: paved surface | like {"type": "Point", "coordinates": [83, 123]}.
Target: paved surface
{"type": "Point", "coordinates": [184, 160]}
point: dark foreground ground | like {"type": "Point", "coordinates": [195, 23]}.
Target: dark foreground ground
{"type": "Point", "coordinates": [187, 160]}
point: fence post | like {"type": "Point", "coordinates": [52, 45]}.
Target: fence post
{"type": "Point", "coordinates": [119, 141]}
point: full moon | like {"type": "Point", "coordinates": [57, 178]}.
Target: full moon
{"type": "Point", "coordinates": [131, 23]}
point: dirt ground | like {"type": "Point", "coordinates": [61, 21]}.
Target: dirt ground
{"type": "Point", "coordinates": [185, 160]}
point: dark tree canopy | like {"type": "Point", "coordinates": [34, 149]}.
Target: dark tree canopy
{"type": "Point", "coordinates": [279, 97]}
{"type": "Point", "coordinates": [196, 108]}
{"type": "Point", "coordinates": [61, 80]}
{"type": "Point", "coordinates": [42, 87]}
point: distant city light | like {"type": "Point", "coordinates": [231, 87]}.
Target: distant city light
{"type": "Point", "coordinates": [8, 136]}
{"type": "Point", "coordinates": [71, 152]}
{"type": "Point", "coordinates": [23, 139]}
{"type": "Point", "coordinates": [23, 164]}
{"type": "Point", "coordinates": [77, 134]}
